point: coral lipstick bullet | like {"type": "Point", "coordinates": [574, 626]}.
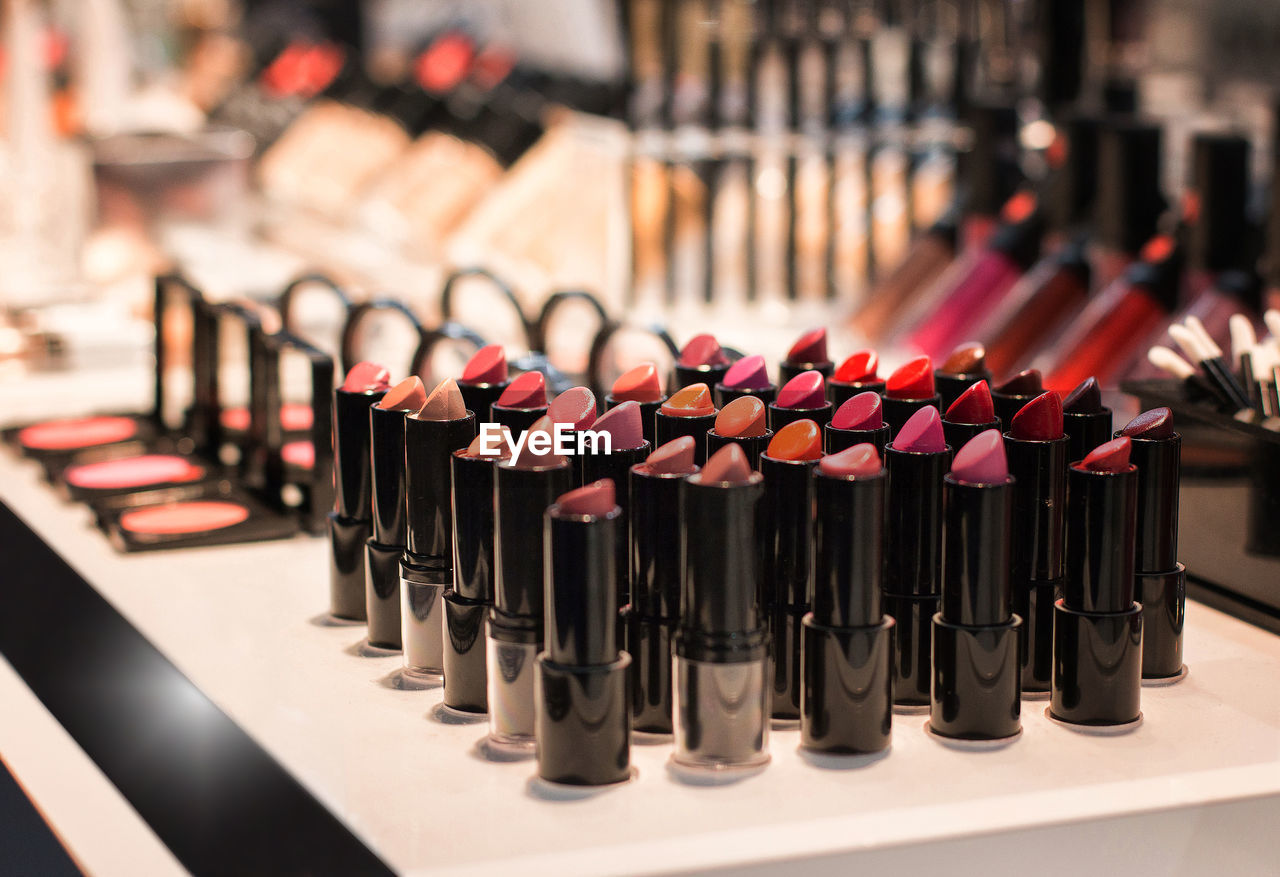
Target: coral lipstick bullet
{"type": "Point", "coordinates": [741, 422]}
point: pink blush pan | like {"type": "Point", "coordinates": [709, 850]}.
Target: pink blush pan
{"type": "Point", "coordinates": [179, 518]}
{"type": "Point", "coordinates": [300, 453]}
{"type": "Point", "coordinates": [82, 432]}
{"type": "Point", "coordinates": [133, 472]}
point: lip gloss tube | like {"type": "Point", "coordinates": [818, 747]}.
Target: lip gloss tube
{"type": "Point", "coordinates": [431, 435]}
{"type": "Point", "coordinates": [801, 398]}
{"type": "Point", "coordinates": [521, 403]}
{"type": "Point", "coordinates": [747, 377]}
{"type": "Point", "coordinates": [484, 380]}
{"type": "Point", "coordinates": [642, 386]}
{"type": "Point", "coordinates": [741, 423]}
{"type": "Point", "coordinates": [350, 523]}
{"type": "Point", "coordinates": [1016, 392]}
{"type": "Point", "coordinates": [856, 375]}
{"type": "Point", "coordinates": [963, 367]}
{"type": "Point", "coordinates": [907, 390]}
{"type": "Point", "coordinates": [1161, 581]}
{"type": "Point", "coordinates": [687, 412]}
{"type": "Point", "coordinates": [385, 546]}
{"type": "Point", "coordinates": [1085, 420]}
{"type": "Point", "coordinates": [1097, 641]}
{"type": "Point", "coordinates": [847, 692]}
{"type": "Point", "coordinates": [581, 721]}
{"type": "Point", "coordinates": [972, 414]}
{"type": "Point", "coordinates": [976, 692]}
{"type": "Point", "coordinates": [702, 361]}
{"type": "Point", "coordinates": [859, 420]}
{"type": "Point", "coordinates": [809, 353]}
{"type": "Point", "coordinates": [721, 702]}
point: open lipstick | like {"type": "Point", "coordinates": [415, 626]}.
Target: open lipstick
{"type": "Point", "coordinates": [907, 390]}
{"type": "Point", "coordinates": [523, 488]}
{"type": "Point", "coordinates": [721, 702]}
{"type": "Point", "coordinates": [654, 611]}
{"type": "Point", "coordinates": [385, 547]}
{"type": "Point", "coordinates": [915, 462]}
{"type": "Point", "coordinates": [642, 386]}
{"type": "Point", "coordinates": [1037, 449]}
{"type": "Point", "coordinates": [847, 694]}
{"type": "Point", "coordinates": [963, 367]}
{"type": "Point", "coordinates": [576, 409]}
{"type": "Point", "coordinates": [521, 403]}
{"type": "Point", "coordinates": [1010, 396]}
{"type": "Point", "coordinates": [970, 414]}
{"type": "Point", "coordinates": [468, 604]}
{"type": "Point", "coordinates": [741, 422]}
{"type": "Point", "coordinates": [747, 377]}
{"type": "Point", "coordinates": [1097, 638]}
{"type": "Point", "coordinates": [688, 411]}
{"type": "Point", "coordinates": [628, 447]}
{"type": "Point", "coordinates": [582, 721]}
{"type": "Point", "coordinates": [787, 467]}
{"type": "Point", "coordinates": [858, 420]}
{"type": "Point", "coordinates": [702, 361]}
{"type": "Point", "coordinates": [1085, 420]}
{"type": "Point", "coordinates": [484, 380]}
{"type": "Point", "coordinates": [976, 692]}
{"type": "Point", "coordinates": [441, 426]}
{"type": "Point", "coordinates": [801, 398]}
{"type": "Point", "coordinates": [809, 353]}
{"type": "Point", "coordinates": [857, 374]}
{"type": "Point", "coordinates": [1161, 581]}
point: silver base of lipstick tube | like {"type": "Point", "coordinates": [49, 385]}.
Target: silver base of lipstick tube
{"type": "Point", "coordinates": [722, 714]}
{"type": "Point", "coordinates": [511, 692]}
{"type": "Point", "coordinates": [422, 627]}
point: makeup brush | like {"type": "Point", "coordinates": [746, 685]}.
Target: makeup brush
{"type": "Point", "coordinates": [1272, 320]}
{"type": "Point", "coordinates": [1204, 352]}
{"type": "Point", "coordinates": [1174, 365]}
{"type": "Point", "coordinates": [1243, 339]}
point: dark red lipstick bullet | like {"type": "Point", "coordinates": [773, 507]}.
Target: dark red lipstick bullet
{"type": "Point", "coordinates": [484, 380]}
{"type": "Point", "coordinates": [1085, 420]}
{"type": "Point", "coordinates": [907, 390]}
{"type": "Point", "coordinates": [1010, 396]}
{"type": "Point", "coordinates": [971, 414]}
{"type": "Point", "coordinates": [702, 361]}
{"type": "Point", "coordinates": [856, 375]}
{"type": "Point", "coordinates": [521, 403]}
{"type": "Point", "coordinates": [741, 422]}
{"type": "Point", "coordinates": [746, 377]}
{"type": "Point", "coordinates": [801, 398]}
{"type": "Point", "coordinates": [808, 353]}
{"type": "Point", "coordinates": [963, 367]}
{"type": "Point", "coordinates": [857, 421]}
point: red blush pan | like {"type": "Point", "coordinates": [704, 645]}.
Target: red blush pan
{"type": "Point", "coordinates": [83, 432]}
{"type": "Point", "coordinates": [300, 453]}
{"type": "Point", "coordinates": [179, 518]}
{"type": "Point", "coordinates": [294, 417]}
{"type": "Point", "coordinates": [130, 472]}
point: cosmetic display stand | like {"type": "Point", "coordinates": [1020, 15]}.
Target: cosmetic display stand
{"type": "Point", "coordinates": [1194, 789]}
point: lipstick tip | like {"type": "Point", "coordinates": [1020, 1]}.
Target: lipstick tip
{"type": "Point", "coordinates": [1024, 383]}
{"type": "Point", "coordinates": [444, 403]}
{"type": "Point", "coordinates": [528, 457]}
{"type": "Point", "coordinates": [981, 460]}
{"type": "Point", "coordinates": [801, 440]}
{"type": "Point", "coordinates": [973, 406]}
{"type": "Point", "coordinates": [640, 384]}
{"type": "Point", "coordinates": [576, 406]}
{"type": "Point", "coordinates": [596, 499]}
{"type": "Point", "coordinates": [805, 390]}
{"type": "Point", "coordinates": [529, 390]}
{"type": "Point", "coordinates": [809, 347]}
{"type": "Point", "coordinates": [691, 401]}
{"type": "Point", "coordinates": [748, 373]}
{"type": "Point", "coordinates": [1040, 420]}
{"type": "Point", "coordinates": [408, 395]}
{"type": "Point", "coordinates": [727, 466]}
{"type": "Point", "coordinates": [1086, 398]}
{"type": "Point", "coordinates": [1154, 424]}
{"type": "Point", "coordinates": [367, 377]}
{"type": "Point", "coordinates": [912, 381]}
{"type": "Point", "coordinates": [703, 350]}
{"type": "Point", "coordinates": [673, 458]}
{"type": "Point", "coordinates": [922, 433]}
{"type": "Point", "coordinates": [858, 368]}
{"type": "Point", "coordinates": [624, 424]}
{"type": "Point", "coordinates": [493, 450]}
{"type": "Point", "coordinates": [741, 418]}
{"type": "Point", "coordinates": [487, 366]}
{"type": "Point", "coordinates": [1112, 456]}
{"type": "Point", "coordinates": [967, 359]}
{"type": "Point", "coordinates": [859, 461]}
{"type": "Point", "coordinates": [863, 411]}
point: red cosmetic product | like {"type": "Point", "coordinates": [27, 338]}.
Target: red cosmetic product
{"type": "Point", "coordinates": [688, 411]}
{"type": "Point", "coordinates": [1017, 391]}
{"type": "Point", "coordinates": [654, 611]}
{"type": "Point", "coordinates": [702, 361]}
{"type": "Point", "coordinates": [857, 421]}
{"type": "Point", "coordinates": [1160, 580]}
{"type": "Point", "coordinates": [628, 447]}
{"type": "Point", "coordinates": [972, 413]}
{"type": "Point", "coordinates": [131, 473]}
{"type": "Point", "coordinates": [1097, 641]}
{"type": "Point", "coordinates": [741, 422]}
{"type": "Point", "coordinates": [747, 377]}
{"type": "Point", "coordinates": [848, 640]}
{"type": "Point", "coordinates": [1085, 420]}
{"type": "Point", "coordinates": [441, 426]}
{"type": "Point", "coordinates": [721, 644]}
{"type": "Point", "coordinates": [523, 402]}
{"type": "Point", "coordinates": [582, 721]}
{"type": "Point", "coordinates": [963, 367]}
{"type": "Point", "coordinates": [642, 386]}
{"type": "Point", "coordinates": [909, 389]}
{"type": "Point", "coordinates": [915, 462]}
{"type": "Point", "coordinates": [808, 353]}
{"type": "Point", "coordinates": [801, 398]}
{"type": "Point", "coordinates": [976, 692]}
{"type": "Point", "coordinates": [484, 380]}
{"type": "Point", "coordinates": [857, 374]}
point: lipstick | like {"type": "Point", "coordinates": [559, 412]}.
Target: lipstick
{"type": "Point", "coordinates": [721, 702]}
{"type": "Point", "coordinates": [746, 377]}
{"type": "Point", "coordinates": [642, 386]}
{"type": "Point", "coordinates": [1036, 448]}
{"type": "Point", "coordinates": [1085, 420]}
{"type": "Point", "coordinates": [385, 546]}
{"type": "Point", "coordinates": [915, 462]}
{"type": "Point", "coordinates": [1097, 637]}
{"type": "Point", "coordinates": [576, 409]}
{"type": "Point", "coordinates": [654, 611]}
{"type": "Point", "coordinates": [858, 420]}
{"type": "Point", "coordinates": [688, 411]}
{"type": "Point", "coordinates": [521, 403]}
{"type": "Point", "coordinates": [801, 398]}
{"type": "Point", "coordinates": [741, 422]}
{"type": "Point", "coordinates": [972, 413]}
{"type": "Point", "coordinates": [809, 353]}
{"type": "Point", "coordinates": [441, 426]}
{"type": "Point", "coordinates": [963, 367]}
{"type": "Point", "coordinates": [847, 694]}
{"type": "Point", "coordinates": [701, 361]}
{"type": "Point", "coordinates": [523, 488]}
{"type": "Point", "coordinates": [467, 605]}
{"type": "Point", "coordinates": [1160, 580]}
{"type": "Point", "coordinates": [787, 467]}
{"type": "Point", "coordinates": [976, 692]}
{"type": "Point", "coordinates": [484, 380]}
{"type": "Point", "coordinates": [1016, 392]}
{"type": "Point", "coordinates": [350, 523]}
{"type": "Point", "coordinates": [581, 720]}
{"type": "Point", "coordinates": [857, 374]}
{"type": "Point", "coordinates": [628, 447]}
{"type": "Point", "coordinates": [907, 390]}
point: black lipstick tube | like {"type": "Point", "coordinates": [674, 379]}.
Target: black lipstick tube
{"type": "Point", "coordinates": [753, 446]}
{"type": "Point", "coordinates": [1161, 582]}
{"type": "Point", "coordinates": [582, 723]}
{"type": "Point", "coordinates": [521, 496]}
{"type": "Point", "coordinates": [778, 417]}
{"type": "Point", "coordinates": [840, 392]}
{"type": "Point", "coordinates": [426, 570]}
{"type": "Point", "coordinates": [350, 523]}
{"type": "Point", "coordinates": [899, 411]}
{"type": "Point", "coordinates": [913, 564]}
{"type": "Point", "coordinates": [721, 701]}
{"type": "Point", "coordinates": [950, 386]}
{"type": "Point", "coordinates": [1039, 470]}
{"type": "Point", "coordinates": [518, 420]}
{"type": "Point", "coordinates": [684, 375]}
{"type": "Point", "coordinates": [385, 546]}
{"type": "Point", "coordinates": [976, 692]}
{"type": "Point", "coordinates": [466, 606]}
{"type": "Point", "coordinates": [847, 694]}
{"type": "Point", "coordinates": [479, 398]}
{"type": "Point", "coordinates": [788, 370]}
{"type": "Point", "coordinates": [648, 410]}
{"type": "Point", "coordinates": [616, 466]}
{"type": "Point", "coordinates": [1006, 406]}
{"type": "Point", "coordinates": [959, 433]}
{"type": "Point", "coordinates": [836, 440]}
{"type": "Point", "coordinates": [669, 428]}
{"type": "Point", "coordinates": [1085, 430]}
{"type": "Point", "coordinates": [724, 395]}
{"type": "Point", "coordinates": [1097, 642]}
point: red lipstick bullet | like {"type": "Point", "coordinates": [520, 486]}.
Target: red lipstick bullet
{"type": "Point", "coordinates": [484, 380]}
{"type": "Point", "coordinates": [907, 390]}
{"type": "Point", "coordinates": [702, 361]}
{"type": "Point", "coordinates": [971, 414]}
{"type": "Point", "coordinates": [857, 421]}
{"type": "Point", "coordinates": [856, 375]}
{"type": "Point", "coordinates": [521, 403]}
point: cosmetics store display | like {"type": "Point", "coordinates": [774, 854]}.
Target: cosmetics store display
{"type": "Point", "coordinates": [684, 435]}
